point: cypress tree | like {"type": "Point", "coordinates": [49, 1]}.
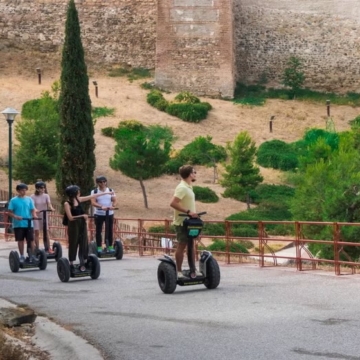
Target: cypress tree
{"type": "Point", "coordinates": [76, 162]}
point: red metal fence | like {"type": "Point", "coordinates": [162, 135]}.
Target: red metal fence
{"type": "Point", "coordinates": [138, 240]}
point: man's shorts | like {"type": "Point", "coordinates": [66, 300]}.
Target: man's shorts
{"type": "Point", "coordinates": [181, 234]}
{"type": "Point", "coordinates": [24, 234]}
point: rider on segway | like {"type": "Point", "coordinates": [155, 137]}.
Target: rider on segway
{"type": "Point", "coordinates": [104, 212]}
{"type": "Point", "coordinates": [21, 207]}
{"type": "Point", "coordinates": [77, 230]}
{"type": "Point", "coordinates": [183, 202]}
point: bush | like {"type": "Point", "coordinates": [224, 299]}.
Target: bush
{"type": "Point", "coordinates": [188, 112]}
{"type": "Point", "coordinates": [108, 131]}
{"type": "Point", "coordinates": [271, 193]}
{"type": "Point", "coordinates": [155, 98]}
{"type": "Point", "coordinates": [187, 97]}
{"type": "Point", "coordinates": [97, 112]}
{"type": "Point", "coordinates": [277, 154]}
{"type": "Point", "coordinates": [235, 246]}
{"type": "Point", "coordinates": [205, 194]}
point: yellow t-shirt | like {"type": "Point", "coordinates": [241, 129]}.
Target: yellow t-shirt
{"type": "Point", "coordinates": [185, 193]}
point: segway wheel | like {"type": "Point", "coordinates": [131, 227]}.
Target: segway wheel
{"type": "Point", "coordinates": [94, 265]}
{"type": "Point", "coordinates": [167, 277]}
{"type": "Point", "coordinates": [212, 274]}
{"type": "Point", "coordinates": [42, 259]}
{"type": "Point", "coordinates": [119, 250]}
{"type": "Point", "coordinates": [63, 269]}
{"type": "Point", "coordinates": [57, 248]}
{"type": "Point", "coordinates": [14, 261]}
{"type": "Point", "coordinates": [93, 248]}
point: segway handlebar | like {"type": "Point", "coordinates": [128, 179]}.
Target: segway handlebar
{"type": "Point", "coordinates": [47, 210]}
{"type": "Point", "coordinates": [199, 214]}
{"type": "Point", "coordinates": [32, 218]}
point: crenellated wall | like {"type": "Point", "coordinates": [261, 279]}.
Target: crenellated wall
{"type": "Point", "coordinates": [324, 33]}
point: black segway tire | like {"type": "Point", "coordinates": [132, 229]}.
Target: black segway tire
{"type": "Point", "coordinates": [119, 250]}
{"type": "Point", "coordinates": [14, 261]}
{"type": "Point", "coordinates": [93, 248]}
{"type": "Point", "coordinates": [94, 264]}
{"type": "Point", "coordinates": [212, 280]}
{"type": "Point", "coordinates": [42, 259]}
{"type": "Point", "coordinates": [167, 277]}
{"type": "Point", "coordinates": [63, 269]}
{"type": "Point", "coordinates": [57, 248]}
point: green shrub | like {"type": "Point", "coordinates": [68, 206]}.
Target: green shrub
{"type": "Point", "coordinates": [173, 165]}
{"type": "Point", "coordinates": [213, 229]}
{"type": "Point", "coordinates": [131, 73]}
{"type": "Point", "coordinates": [97, 112]}
{"type": "Point", "coordinates": [220, 245]}
{"type": "Point", "coordinates": [160, 229]}
{"type": "Point", "coordinates": [188, 112]}
{"type": "Point", "coordinates": [108, 131]}
{"type": "Point", "coordinates": [271, 193]}
{"type": "Point", "coordinates": [277, 154]}
{"type": "Point", "coordinates": [155, 98]}
{"type": "Point", "coordinates": [205, 194]}
{"type": "Point", "coordinates": [187, 97]}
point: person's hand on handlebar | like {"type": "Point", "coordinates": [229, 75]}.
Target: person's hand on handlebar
{"type": "Point", "coordinates": [85, 216]}
{"type": "Point", "coordinates": [193, 214]}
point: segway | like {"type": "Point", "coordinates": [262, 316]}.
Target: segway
{"type": "Point", "coordinates": [56, 246]}
{"type": "Point", "coordinates": [31, 261]}
{"type": "Point", "coordinates": [89, 268]}
{"type": "Point", "coordinates": [106, 252]}
{"type": "Point", "coordinates": [208, 266]}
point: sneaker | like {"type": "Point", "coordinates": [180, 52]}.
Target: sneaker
{"type": "Point", "coordinates": [51, 251]}
{"type": "Point", "coordinates": [22, 258]}
{"type": "Point", "coordinates": [180, 275]}
{"type": "Point", "coordinates": [99, 249]}
{"type": "Point", "coordinates": [198, 273]}
{"type": "Point", "coordinates": [111, 248]}
{"type": "Point", "coordinates": [33, 259]}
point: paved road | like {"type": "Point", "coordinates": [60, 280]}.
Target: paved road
{"type": "Point", "coordinates": [254, 314]}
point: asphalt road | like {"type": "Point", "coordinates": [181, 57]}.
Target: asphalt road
{"type": "Point", "coordinates": [254, 314]}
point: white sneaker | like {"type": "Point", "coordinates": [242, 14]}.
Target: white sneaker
{"type": "Point", "coordinates": [22, 258]}
{"type": "Point", "coordinates": [198, 273]}
{"type": "Point", "coordinates": [180, 275]}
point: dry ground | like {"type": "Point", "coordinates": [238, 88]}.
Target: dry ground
{"type": "Point", "coordinates": [224, 122]}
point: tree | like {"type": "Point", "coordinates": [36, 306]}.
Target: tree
{"type": "Point", "coordinates": [293, 77]}
{"type": "Point", "coordinates": [141, 152]}
{"type": "Point", "coordinates": [329, 190]}
{"type": "Point", "coordinates": [37, 135]}
{"type": "Point", "coordinates": [241, 175]}
{"type": "Point", "coordinates": [76, 160]}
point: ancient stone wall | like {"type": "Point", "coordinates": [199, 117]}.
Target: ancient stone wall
{"type": "Point", "coordinates": [113, 31]}
{"type": "Point", "coordinates": [323, 33]}
{"type": "Point", "coordinates": [194, 46]}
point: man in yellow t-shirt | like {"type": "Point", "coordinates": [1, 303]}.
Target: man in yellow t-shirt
{"type": "Point", "coordinates": [183, 202]}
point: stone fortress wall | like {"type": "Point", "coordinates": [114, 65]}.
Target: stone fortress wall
{"type": "Point", "coordinates": [324, 33]}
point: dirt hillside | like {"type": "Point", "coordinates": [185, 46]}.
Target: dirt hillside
{"type": "Point", "coordinates": [224, 122]}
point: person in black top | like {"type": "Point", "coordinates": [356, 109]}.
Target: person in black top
{"type": "Point", "coordinates": [77, 222]}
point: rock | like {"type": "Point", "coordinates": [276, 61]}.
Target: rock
{"type": "Point", "coordinates": [16, 316]}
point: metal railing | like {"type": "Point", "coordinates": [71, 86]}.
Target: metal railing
{"type": "Point", "coordinates": [137, 239]}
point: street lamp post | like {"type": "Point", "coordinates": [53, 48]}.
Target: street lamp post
{"type": "Point", "coordinates": [10, 115]}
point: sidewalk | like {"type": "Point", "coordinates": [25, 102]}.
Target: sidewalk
{"type": "Point", "coordinates": [50, 337]}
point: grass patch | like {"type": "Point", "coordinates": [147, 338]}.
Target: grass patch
{"type": "Point", "coordinates": [131, 73]}
{"type": "Point", "coordinates": [97, 112]}
{"type": "Point", "coordinates": [257, 94]}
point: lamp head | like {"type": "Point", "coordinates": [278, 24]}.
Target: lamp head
{"type": "Point", "coordinates": [10, 114]}
{"type": "Point", "coordinates": [95, 83]}
{"type": "Point", "coordinates": [38, 70]}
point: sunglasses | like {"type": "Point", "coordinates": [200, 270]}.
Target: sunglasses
{"type": "Point", "coordinates": [101, 182]}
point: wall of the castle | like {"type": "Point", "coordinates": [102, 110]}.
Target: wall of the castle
{"type": "Point", "coordinates": [113, 31]}
{"type": "Point", "coordinates": [324, 33]}
{"type": "Point", "coordinates": [194, 47]}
